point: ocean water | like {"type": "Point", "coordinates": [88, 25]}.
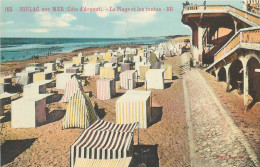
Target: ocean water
{"type": "Point", "coordinates": [15, 49]}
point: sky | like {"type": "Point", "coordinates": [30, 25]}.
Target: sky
{"type": "Point", "coordinates": [105, 24]}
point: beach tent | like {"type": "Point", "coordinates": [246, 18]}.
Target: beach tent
{"type": "Point", "coordinates": [25, 77]}
{"type": "Point", "coordinates": [125, 66]}
{"type": "Point", "coordinates": [73, 70]}
{"type": "Point", "coordinates": [77, 60]}
{"type": "Point", "coordinates": [67, 65]}
{"type": "Point", "coordinates": [50, 67]}
{"type": "Point", "coordinates": [108, 64]}
{"type": "Point", "coordinates": [6, 79]}
{"type": "Point", "coordinates": [140, 52]}
{"type": "Point", "coordinates": [127, 79]}
{"type": "Point", "coordinates": [113, 60]}
{"type": "Point", "coordinates": [71, 86]}
{"type": "Point", "coordinates": [122, 162]}
{"type": "Point", "coordinates": [154, 57]}
{"type": "Point", "coordinates": [155, 78]}
{"type": "Point", "coordinates": [168, 53]}
{"type": "Point", "coordinates": [80, 112]}
{"type": "Point", "coordinates": [34, 67]}
{"type": "Point", "coordinates": [137, 58]}
{"type": "Point", "coordinates": [105, 89]}
{"type": "Point", "coordinates": [168, 71]}
{"type": "Point", "coordinates": [6, 82]}
{"type": "Point", "coordinates": [134, 106]}
{"type": "Point", "coordinates": [156, 65]}
{"type": "Point", "coordinates": [143, 70]}
{"type": "Point", "coordinates": [29, 111]}
{"type": "Point", "coordinates": [108, 72]}
{"type": "Point", "coordinates": [95, 59]}
{"type": "Point", "coordinates": [4, 99]}
{"type": "Point", "coordinates": [107, 56]}
{"type": "Point", "coordinates": [104, 140]}
{"type": "Point", "coordinates": [62, 79]}
{"type": "Point", "coordinates": [41, 76]}
{"type": "Point", "coordinates": [35, 88]}
{"type": "Point", "coordinates": [91, 69]}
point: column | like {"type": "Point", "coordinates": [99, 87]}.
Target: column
{"type": "Point", "coordinates": [245, 75]}
{"type": "Point", "coordinates": [217, 78]}
{"type": "Point", "coordinates": [227, 76]}
{"type": "Point", "coordinates": [201, 31]}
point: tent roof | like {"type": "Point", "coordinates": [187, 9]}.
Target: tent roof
{"type": "Point", "coordinates": [135, 95]}
{"type": "Point", "coordinates": [155, 71]}
{"type": "Point", "coordinates": [6, 95]}
{"type": "Point", "coordinates": [102, 125]}
{"type": "Point", "coordinates": [105, 140]}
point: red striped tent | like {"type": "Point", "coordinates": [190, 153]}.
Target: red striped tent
{"type": "Point", "coordinates": [71, 86]}
{"type": "Point", "coordinates": [127, 79]}
{"type": "Point", "coordinates": [80, 112]}
{"type": "Point", "coordinates": [97, 142]}
{"type": "Point", "coordinates": [105, 89]}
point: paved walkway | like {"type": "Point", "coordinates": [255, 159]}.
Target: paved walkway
{"type": "Point", "coordinates": [214, 138]}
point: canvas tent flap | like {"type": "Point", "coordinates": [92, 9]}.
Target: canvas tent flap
{"type": "Point", "coordinates": [94, 144]}
{"type": "Point", "coordinates": [122, 162]}
{"type": "Point", "coordinates": [71, 86]}
{"type": "Point", "coordinates": [80, 111]}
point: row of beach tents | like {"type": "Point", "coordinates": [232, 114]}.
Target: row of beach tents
{"type": "Point", "coordinates": [102, 142]}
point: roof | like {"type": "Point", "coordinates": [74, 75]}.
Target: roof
{"type": "Point", "coordinates": [155, 71]}
{"type": "Point", "coordinates": [35, 97]}
{"type": "Point", "coordinates": [135, 95]}
{"type": "Point", "coordinates": [6, 95]}
{"type": "Point", "coordinates": [111, 126]}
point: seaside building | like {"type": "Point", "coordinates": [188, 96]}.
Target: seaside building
{"type": "Point", "coordinates": [226, 40]}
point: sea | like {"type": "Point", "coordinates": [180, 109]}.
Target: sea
{"type": "Point", "coordinates": [15, 49]}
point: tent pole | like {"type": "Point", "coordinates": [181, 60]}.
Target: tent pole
{"type": "Point", "coordinates": [138, 134]}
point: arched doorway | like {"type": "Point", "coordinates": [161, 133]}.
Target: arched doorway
{"type": "Point", "coordinates": [236, 75]}
{"type": "Point", "coordinates": [253, 78]}
{"type": "Point", "coordinates": [222, 74]}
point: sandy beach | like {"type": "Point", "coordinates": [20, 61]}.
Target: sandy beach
{"type": "Point", "coordinates": [49, 145]}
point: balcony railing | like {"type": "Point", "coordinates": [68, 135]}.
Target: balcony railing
{"type": "Point", "coordinates": [247, 36]}
{"type": "Point", "coordinates": [220, 8]}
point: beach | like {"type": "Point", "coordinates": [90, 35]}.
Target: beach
{"type": "Point", "coordinates": [49, 145]}
{"type": "Point", "coordinates": [164, 143]}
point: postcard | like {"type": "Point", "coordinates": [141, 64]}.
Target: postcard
{"type": "Point", "coordinates": [138, 83]}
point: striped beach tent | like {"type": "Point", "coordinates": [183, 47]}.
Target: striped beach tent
{"type": "Point", "coordinates": [102, 144]}
{"type": "Point", "coordinates": [127, 79]}
{"type": "Point", "coordinates": [122, 162]}
{"type": "Point", "coordinates": [71, 86]}
{"type": "Point", "coordinates": [134, 106]}
{"type": "Point", "coordinates": [80, 111]}
{"type": "Point", "coordinates": [105, 89]}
